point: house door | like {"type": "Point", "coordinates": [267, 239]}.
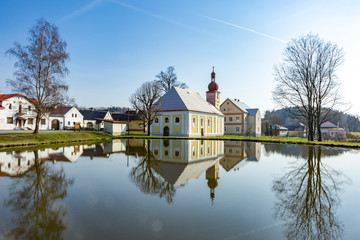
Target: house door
{"type": "Point", "coordinates": [55, 124]}
{"type": "Point", "coordinates": [166, 131]}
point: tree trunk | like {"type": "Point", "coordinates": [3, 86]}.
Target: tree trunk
{"type": "Point", "coordinates": [37, 122]}
{"type": "Point", "coordinates": [318, 130]}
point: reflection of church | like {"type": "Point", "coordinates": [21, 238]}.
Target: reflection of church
{"type": "Point", "coordinates": [181, 161]}
{"type": "Point", "coordinates": [238, 154]}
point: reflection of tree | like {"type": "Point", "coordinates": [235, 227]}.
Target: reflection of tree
{"type": "Point", "coordinates": [307, 198]}
{"type": "Point", "coordinates": [148, 180]}
{"type": "Point", "coordinates": [35, 198]}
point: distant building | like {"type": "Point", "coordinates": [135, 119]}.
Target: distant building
{"type": "Point", "coordinates": [63, 118]}
{"type": "Point", "coordinates": [331, 131]}
{"type": "Point", "coordinates": [186, 113]}
{"type": "Point", "coordinates": [240, 119]}
{"type": "Point", "coordinates": [18, 112]}
{"type": "Point", "coordinates": [114, 127]}
{"type": "Point", "coordinates": [136, 122]}
{"type": "Point", "coordinates": [90, 117]}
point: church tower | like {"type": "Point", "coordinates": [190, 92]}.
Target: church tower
{"type": "Point", "coordinates": [213, 95]}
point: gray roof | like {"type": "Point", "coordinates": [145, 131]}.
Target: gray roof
{"type": "Point", "coordinates": [252, 111]}
{"type": "Point", "coordinates": [92, 114]}
{"type": "Point", "coordinates": [240, 105]}
{"type": "Point", "coordinates": [178, 99]}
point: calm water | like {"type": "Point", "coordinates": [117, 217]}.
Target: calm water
{"type": "Point", "coordinates": [180, 190]}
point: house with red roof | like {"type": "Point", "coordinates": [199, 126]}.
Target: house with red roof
{"type": "Point", "coordinates": [62, 118]}
{"type": "Point", "coordinates": [18, 112]}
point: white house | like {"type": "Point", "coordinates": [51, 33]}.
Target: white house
{"type": "Point", "coordinates": [114, 127]}
{"type": "Point", "coordinates": [18, 112]}
{"type": "Point", "coordinates": [90, 117]}
{"type": "Point", "coordinates": [65, 118]}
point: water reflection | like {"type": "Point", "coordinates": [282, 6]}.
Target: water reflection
{"type": "Point", "coordinates": [307, 197]}
{"type": "Point", "coordinates": [238, 154]}
{"type": "Point", "coordinates": [35, 198]}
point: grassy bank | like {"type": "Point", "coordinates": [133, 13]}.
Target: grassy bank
{"type": "Point", "coordinates": [23, 139]}
{"type": "Point", "coordinates": [26, 139]}
{"type": "Point", "coordinates": [263, 139]}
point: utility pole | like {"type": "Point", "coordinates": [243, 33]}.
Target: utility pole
{"type": "Point", "coordinates": [128, 121]}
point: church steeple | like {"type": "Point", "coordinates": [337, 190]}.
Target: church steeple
{"type": "Point", "coordinates": [213, 95]}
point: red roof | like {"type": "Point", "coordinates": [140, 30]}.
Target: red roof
{"type": "Point", "coordinates": [109, 120]}
{"type": "Point", "coordinates": [7, 96]}
{"type": "Point", "coordinates": [60, 110]}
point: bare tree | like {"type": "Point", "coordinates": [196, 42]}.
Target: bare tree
{"type": "Point", "coordinates": [168, 79]}
{"type": "Point", "coordinates": [307, 80]}
{"type": "Point", "coordinates": [40, 67]}
{"type": "Point", "coordinates": [145, 99]}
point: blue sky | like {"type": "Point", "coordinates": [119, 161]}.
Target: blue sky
{"type": "Point", "coordinates": [115, 46]}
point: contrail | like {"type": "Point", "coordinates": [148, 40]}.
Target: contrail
{"type": "Point", "coordinates": [128, 6]}
{"type": "Point", "coordinates": [243, 28]}
{"type": "Point", "coordinates": [82, 10]}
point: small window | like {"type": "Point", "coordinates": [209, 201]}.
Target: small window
{"type": "Point", "coordinates": [29, 108]}
{"type": "Point", "coordinates": [9, 120]}
{"type": "Point", "coordinates": [224, 119]}
{"type": "Point", "coordinates": [194, 151]}
{"type": "Point", "coordinates": [224, 128]}
{"type": "Point", "coordinates": [237, 129]}
{"type": "Point", "coordinates": [75, 114]}
{"type": "Point", "coordinates": [237, 119]}
{"type": "Point", "coordinates": [177, 120]}
{"type": "Point", "coordinates": [166, 120]}
{"type": "Point", "coordinates": [224, 109]}
{"type": "Point", "coordinates": [177, 153]}
{"type": "Point", "coordinates": [43, 121]}
{"type": "Point", "coordinates": [166, 152]}
{"type": "Point", "coordinates": [202, 122]}
{"type": "Point", "coordinates": [209, 149]}
{"type": "Point", "coordinates": [230, 119]}
{"type": "Point", "coordinates": [227, 103]}
{"type": "Point", "coordinates": [10, 106]}
{"type": "Point", "coordinates": [194, 121]}
{"type": "Point", "coordinates": [68, 123]}
{"type": "Point", "coordinates": [30, 121]}
{"type": "Point", "coordinates": [72, 115]}
{"type": "Point", "coordinates": [156, 120]}
{"type": "Point", "coordinates": [156, 152]}
{"type": "Point", "coordinates": [209, 122]}
{"type": "Point", "coordinates": [20, 108]}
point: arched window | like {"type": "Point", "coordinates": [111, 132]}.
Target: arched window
{"type": "Point", "coordinates": [194, 151]}
{"type": "Point", "coordinates": [156, 120]}
{"type": "Point", "coordinates": [177, 120]}
{"type": "Point", "coordinates": [194, 121]}
{"type": "Point", "coordinates": [209, 122]}
{"type": "Point", "coordinates": [10, 106]}
{"type": "Point", "coordinates": [166, 120]}
{"type": "Point", "coordinates": [202, 122]}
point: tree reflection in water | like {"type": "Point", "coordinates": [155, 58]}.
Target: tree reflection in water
{"type": "Point", "coordinates": [148, 180]}
{"type": "Point", "coordinates": [307, 199]}
{"type": "Point", "coordinates": [35, 198]}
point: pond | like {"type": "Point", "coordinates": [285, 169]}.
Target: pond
{"type": "Point", "coordinates": [180, 189]}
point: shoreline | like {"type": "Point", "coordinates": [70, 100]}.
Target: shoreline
{"type": "Point", "coordinates": [10, 140]}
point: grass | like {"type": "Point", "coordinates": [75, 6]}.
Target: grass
{"type": "Point", "coordinates": [24, 139]}
{"type": "Point", "coordinates": [21, 139]}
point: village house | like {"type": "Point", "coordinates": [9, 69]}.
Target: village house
{"type": "Point", "coordinates": [134, 120]}
{"type": "Point", "coordinates": [90, 117]}
{"type": "Point", "coordinates": [63, 118]}
{"type": "Point", "coordinates": [114, 127]}
{"type": "Point", "coordinates": [240, 119]}
{"type": "Point", "coordinates": [331, 131]}
{"type": "Point", "coordinates": [17, 112]}
{"type": "Point", "coordinates": [185, 113]}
